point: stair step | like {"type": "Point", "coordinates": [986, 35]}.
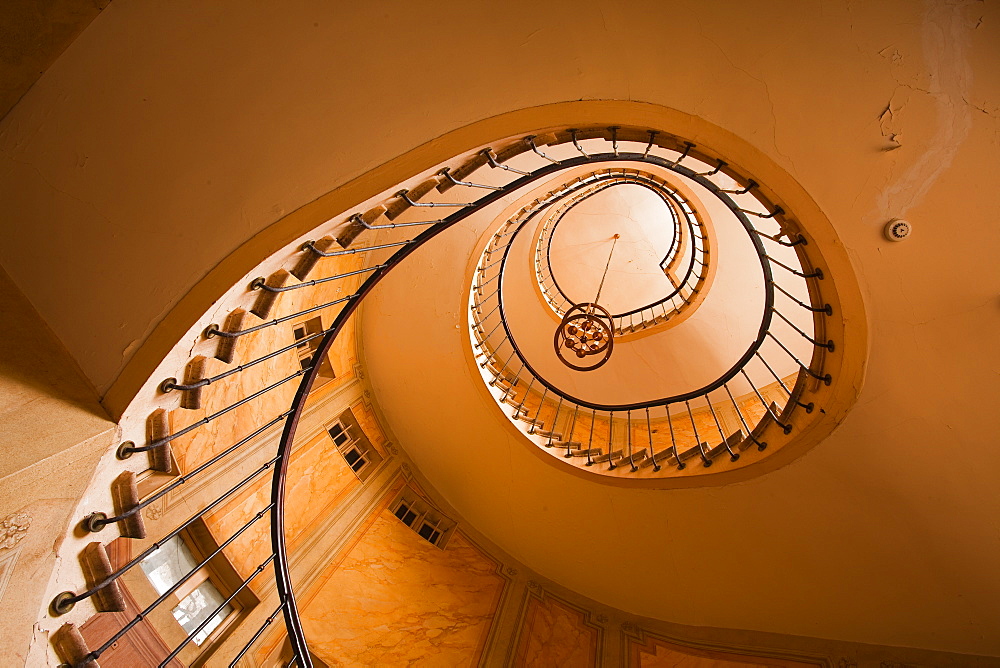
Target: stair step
{"type": "Point", "coordinates": [555, 436]}
{"type": "Point", "coordinates": [592, 452]}
{"type": "Point", "coordinates": [159, 428]}
{"type": "Point", "coordinates": [608, 457]}
{"type": "Point", "coordinates": [125, 495]}
{"type": "Point", "coordinates": [503, 382]}
{"type": "Point", "coordinates": [266, 298]}
{"type": "Point", "coordinates": [573, 445]}
{"type": "Point", "coordinates": [693, 451]}
{"type": "Point", "coordinates": [638, 455]}
{"type": "Point", "coordinates": [227, 344]}
{"type": "Point", "coordinates": [663, 458]}
{"type": "Point", "coordinates": [531, 421]}
{"type": "Point", "coordinates": [97, 568]}
{"type": "Point", "coordinates": [308, 259]}
{"type": "Point", "coordinates": [193, 373]}
{"type": "Point", "coordinates": [733, 440]}
{"type": "Point", "coordinates": [71, 647]}
{"type": "Point", "coordinates": [353, 227]}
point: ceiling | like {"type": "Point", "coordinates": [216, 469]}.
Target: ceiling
{"type": "Point", "coordinates": [168, 135]}
{"type": "Point", "coordinates": [32, 35]}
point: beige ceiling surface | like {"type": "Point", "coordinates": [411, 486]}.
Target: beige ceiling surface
{"type": "Point", "coordinates": [170, 133]}
{"type": "Point", "coordinates": [32, 35]}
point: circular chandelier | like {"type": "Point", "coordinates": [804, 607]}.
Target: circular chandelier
{"type": "Point", "coordinates": [587, 330]}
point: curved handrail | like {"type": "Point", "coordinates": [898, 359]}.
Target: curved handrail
{"type": "Point", "coordinates": [728, 375]}
{"type": "Point", "coordinates": [670, 199]}
{"type": "Point", "coordinates": [159, 437]}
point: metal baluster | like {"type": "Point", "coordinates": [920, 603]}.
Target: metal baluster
{"type": "Point", "coordinates": [492, 159]}
{"type": "Point", "coordinates": [611, 429]}
{"type": "Point", "coordinates": [652, 450]}
{"type": "Point", "coordinates": [673, 441]}
{"type": "Point", "coordinates": [827, 379]}
{"type": "Point", "coordinates": [555, 423]}
{"type": "Point", "coordinates": [739, 413]}
{"type": "Point", "coordinates": [125, 450]}
{"type": "Point", "coordinates": [65, 601]}
{"type": "Point", "coordinates": [649, 147]}
{"type": "Point", "coordinates": [628, 426]}
{"type": "Point", "coordinates": [787, 428]}
{"type": "Point", "coordinates": [809, 407]}
{"type": "Point", "coordinates": [828, 345]}
{"type": "Point", "coordinates": [568, 437]}
{"type": "Point", "coordinates": [697, 439]}
{"type": "Point", "coordinates": [827, 309]}
{"type": "Point", "coordinates": [732, 455]}
{"type": "Point", "coordinates": [590, 439]}
{"type": "Point", "coordinates": [258, 634]}
{"type": "Point", "coordinates": [577, 144]}
{"type": "Point", "coordinates": [541, 402]}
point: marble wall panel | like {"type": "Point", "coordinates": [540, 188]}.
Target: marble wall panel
{"type": "Point", "coordinates": [204, 442]}
{"type": "Point", "coordinates": [393, 599]}
{"type": "Point", "coordinates": [253, 546]}
{"type": "Point", "coordinates": [318, 475]}
{"type": "Point", "coordinates": [555, 633]}
{"type": "Point", "coordinates": [318, 480]}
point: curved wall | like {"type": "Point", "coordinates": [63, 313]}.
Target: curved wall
{"type": "Point", "coordinates": [169, 135]}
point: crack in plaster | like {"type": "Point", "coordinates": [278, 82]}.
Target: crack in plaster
{"type": "Point", "coordinates": [946, 41]}
{"type": "Point", "coordinates": [767, 96]}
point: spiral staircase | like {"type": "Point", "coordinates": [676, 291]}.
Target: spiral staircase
{"type": "Point", "coordinates": [728, 257]}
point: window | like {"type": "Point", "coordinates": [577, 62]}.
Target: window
{"type": "Point", "coordinates": [405, 514]}
{"type": "Point", "coordinates": [198, 596]}
{"type": "Point", "coordinates": [201, 593]}
{"type": "Point", "coordinates": [429, 531]}
{"type": "Point", "coordinates": [310, 334]}
{"type": "Point", "coordinates": [355, 447]}
{"type": "Point", "coordinates": [425, 520]}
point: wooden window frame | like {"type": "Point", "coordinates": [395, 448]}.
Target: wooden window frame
{"type": "Point", "coordinates": [407, 503]}
{"type": "Point", "coordinates": [220, 572]}
{"type": "Point", "coordinates": [307, 350]}
{"type": "Point", "coordinates": [347, 428]}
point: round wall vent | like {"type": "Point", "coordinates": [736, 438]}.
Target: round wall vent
{"type": "Point", "coordinates": [897, 229]}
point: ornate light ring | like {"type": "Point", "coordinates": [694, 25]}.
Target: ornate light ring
{"type": "Point", "coordinates": [586, 330]}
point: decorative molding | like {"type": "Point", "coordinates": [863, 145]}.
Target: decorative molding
{"type": "Point", "coordinates": [13, 528]}
{"type": "Point", "coordinates": [8, 560]}
{"type": "Point", "coordinates": [511, 571]}
{"type": "Point", "coordinates": [536, 595]}
{"type": "Point", "coordinates": [637, 640]}
{"type": "Point", "coordinates": [154, 511]}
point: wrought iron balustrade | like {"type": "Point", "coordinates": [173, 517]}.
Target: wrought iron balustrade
{"type": "Point", "coordinates": [480, 179]}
